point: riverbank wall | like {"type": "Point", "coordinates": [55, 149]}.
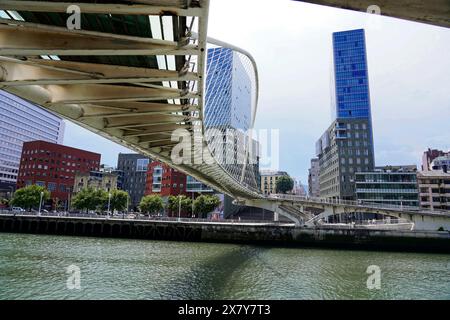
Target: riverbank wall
{"type": "Point", "coordinates": [248, 233]}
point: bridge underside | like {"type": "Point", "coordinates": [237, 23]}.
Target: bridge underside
{"type": "Point", "coordinates": [434, 12]}
{"type": "Point", "coordinates": [133, 73]}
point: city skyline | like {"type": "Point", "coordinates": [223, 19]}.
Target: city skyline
{"type": "Point", "coordinates": [396, 93]}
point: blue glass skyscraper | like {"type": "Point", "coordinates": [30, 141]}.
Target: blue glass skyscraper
{"type": "Point", "coordinates": [228, 96]}
{"type": "Point", "coordinates": [351, 79]}
{"type": "Point", "coordinates": [346, 147]}
{"type": "Point", "coordinates": [228, 106]}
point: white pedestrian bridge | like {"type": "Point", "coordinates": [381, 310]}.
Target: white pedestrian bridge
{"type": "Point", "coordinates": [134, 72]}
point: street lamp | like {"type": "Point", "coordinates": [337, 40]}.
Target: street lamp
{"type": "Point", "coordinates": [40, 203]}
{"type": "Point", "coordinates": [193, 215]}
{"type": "Point", "coordinates": [179, 207]}
{"type": "Point", "coordinates": [109, 202]}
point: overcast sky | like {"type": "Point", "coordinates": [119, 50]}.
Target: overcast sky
{"type": "Point", "coordinates": [409, 78]}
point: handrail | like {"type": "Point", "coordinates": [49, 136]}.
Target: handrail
{"type": "Point", "coordinates": [360, 204]}
{"type": "Point", "coordinates": [128, 217]}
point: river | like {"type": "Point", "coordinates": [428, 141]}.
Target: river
{"type": "Point", "coordinates": [36, 267]}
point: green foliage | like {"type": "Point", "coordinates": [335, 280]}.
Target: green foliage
{"type": "Point", "coordinates": [90, 199]}
{"type": "Point", "coordinates": [284, 184]}
{"type": "Point", "coordinates": [4, 201]}
{"type": "Point", "coordinates": [151, 204]}
{"type": "Point", "coordinates": [205, 204]}
{"type": "Point", "coordinates": [118, 200]}
{"type": "Point", "coordinates": [29, 197]}
{"type": "Point", "coordinates": [173, 204]}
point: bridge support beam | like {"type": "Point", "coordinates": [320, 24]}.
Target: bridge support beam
{"type": "Point", "coordinates": [278, 210]}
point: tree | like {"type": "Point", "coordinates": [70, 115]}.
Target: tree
{"type": "Point", "coordinates": [284, 184]}
{"type": "Point", "coordinates": [119, 199]}
{"type": "Point", "coordinates": [204, 204]}
{"type": "Point", "coordinates": [151, 204]}
{"type": "Point", "coordinates": [90, 199]}
{"type": "Point", "coordinates": [30, 196]}
{"type": "Point", "coordinates": [173, 204]}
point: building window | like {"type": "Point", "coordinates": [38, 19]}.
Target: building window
{"type": "Point", "coordinates": [51, 186]}
{"type": "Point", "coordinates": [142, 164]}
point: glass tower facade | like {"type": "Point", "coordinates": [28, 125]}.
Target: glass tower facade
{"type": "Point", "coordinates": [228, 106]}
{"type": "Point", "coordinates": [228, 96]}
{"type": "Point", "coordinates": [21, 121]}
{"type": "Point", "coordinates": [351, 75]}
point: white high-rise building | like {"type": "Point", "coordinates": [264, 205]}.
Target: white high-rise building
{"type": "Point", "coordinates": [21, 121]}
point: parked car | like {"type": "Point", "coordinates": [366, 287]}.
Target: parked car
{"type": "Point", "coordinates": [17, 209]}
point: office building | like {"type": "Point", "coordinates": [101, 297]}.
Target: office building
{"type": "Point", "coordinates": [228, 90]}
{"type": "Point", "coordinates": [313, 178]}
{"type": "Point", "coordinates": [347, 145]}
{"type": "Point", "coordinates": [99, 180]}
{"type": "Point", "coordinates": [228, 100]}
{"type": "Point", "coordinates": [343, 150]}
{"type": "Point", "coordinates": [54, 167]}
{"type": "Point", "coordinates": [195, 187]}
{"type": "Point", "coordinates": [390, 185]}
{"type": "Point", "coordinates": [21, 121]}
{"type": "Point", "coordinates": [434, 189]}
{"type": "Point", "coordinates": [133, 168]}
{"type": "Point", "coordinates": [269, 180]}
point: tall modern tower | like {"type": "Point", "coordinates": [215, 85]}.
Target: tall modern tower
{"type": "Point", "coordinates": [347, 145]}
{"type": "Point", "coordinates": [228, 108]}
{"type": "Point", "coordinates": [351, 79]}
{"type": "Point", "coordinates": [228, 96]}
{"type": "Point", "coordinates": [21, 121]}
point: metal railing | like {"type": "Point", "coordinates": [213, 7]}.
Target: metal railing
{"type": "Point", "coordinates": [365, 205]}
{"type": "Point", "coordinates": [134, 217]}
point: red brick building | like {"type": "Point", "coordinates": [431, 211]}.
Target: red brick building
{"type": "Point", "coordinates": [54, 166]}
{"type": "Point", "coordinates": [164, 180]}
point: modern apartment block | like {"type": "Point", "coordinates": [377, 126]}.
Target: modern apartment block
{"type": "Point", "coordinates": [269, 180]}
{"type": "Point", "coordinates": [431, 154]}
{"type": "Point", "coordinates": [166, 181]}
{"type": "Point", "coordinates": [99, 180]}
{"type": "Point", "coordinates": [133, 169]}
{"type": "Point", "coordinates": [21, 121]}
{"type": "Point", "coordinates": [347, 147]}
{"type": "Point", "coordinates": [54, 166]}
{"type": "Point", "coordinates": [391, 185]}
{"type": "Point", "coordinates": [313, 178]}
{"type": "Point", "coordinates": [434, 189]}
